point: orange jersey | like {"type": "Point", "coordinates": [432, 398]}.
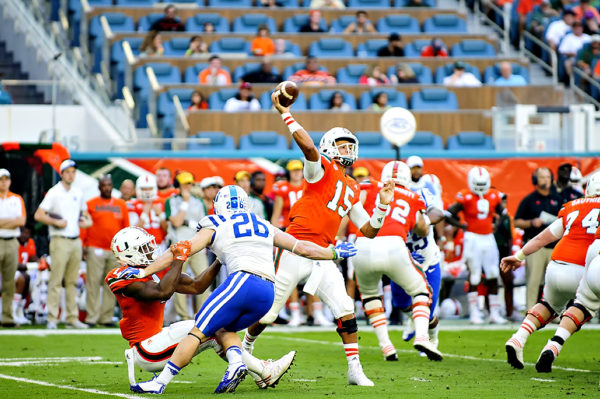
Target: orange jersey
{"type": "Point", "coordinates": [166, 193]}
{"type": "Point", "coordinates": [317, 215]}
{"type": "Point", "coordinates": [108, 217]}
{"type": "Point", "coordinates": [580, 219]}
{"type": "Point", "coordinates": [290, 194]}
{"type": "Point", "coordinates": [402, 214]}
{"type": "Point", "coordinates": [479, 212]}
{"type": "Point", "coordinates": [141, 319]}
{"type": "Point", "coordinates": [152, 225]}
{"type": "Point", "coordinates": [26, 251]}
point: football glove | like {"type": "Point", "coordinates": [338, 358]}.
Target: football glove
{"type": "Point", "coordinates": [344, 250]}
{"type": "Point", "coordinates": [131, 273]}
{"type": "Point", "coordinates": [181, 250]}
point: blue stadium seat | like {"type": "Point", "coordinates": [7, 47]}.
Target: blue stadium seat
{"type": "Point", "coordinates": [424, 141]}
{"type": "Point", "coordinates": [316, 138]}
{"type": "Point", "coordinates": [299, 105]}
{"type": "Point", "coordinates": [294, 23]}
{"type": "Point", "coordinates": [338, 25]}
{"type": "Point", "coordinates": [135, 3]}
{"type": "Point", "coordinates": [292, 69]}
{"type": "Point", "coordinates": [176, 47]}
{"type": "Point", "coordinates": [473, 48]}
{"type": "Point", "coordinates": [446, 70]}
{"type": "Point", "coordinates": [292, 48]}
{"type": "Point", "coordinates": [470, 141]}
{"type": "Point", "coordinates": [492, 73]}
{"type": "Point", "coordinates": [399, 23]}
{"type": "Point", "coordinates": [118, 22]}
{"type": "Point", "coordinates": [249, 23]}
{"type": "Point", "coordinates": [371, 141]}
{"type": "Point", "coordinates": [368, 3]}
{"type": "Point", "coordinates": [191, 73]}
{"type": "Point", "coordinates": [5, 98]}
{"type": "Point", "coordinates": [218, 141]}
{"type": "Point", "coordinates": [263, 141]}
{"type": "Point", "coordinates": [117, 58]}
{"type": "Point", "coordinates": [230, 3]}
{"type": "Point", "coordinates": [196, 23]}
{"type": "Point", "coordinates": [395, 98]}
{"type": "Point", "coordinates": [350, 74]}
{"type": "Point", "coordinates": [445, 23]}
{"type": "Point", "coordinates": [434, 99]}
{"type": "Point", "coordinates": [218, 99]}
{"type": "Point", "coordinates": [370, 47]}
{"type": "Point", "coordinates": [289, 3]}
{"type": "Point", "coordinates": [165, 73]}
{"type": "Point", "coordinates": [165, 100]}
{"type": "Point", "coordinates": [249, 67]}
{"type": "Point", "coordinates": [414, 49]}
{"type": "Point", "coordinates": [145, 22]}
{"type": "Point", "coordinates": [330, 48]}
{"type": "Point", "coordinates": [320, 100]}
{"type": "Point", "coordinates": [422, 72]}
{"type": "Point", "coordinates": [403, 3]}
{"type": "Point", "coordinates": [230, 45]}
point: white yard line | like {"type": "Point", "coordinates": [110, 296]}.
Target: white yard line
{"type": "Point", "coordinates": [419, 379]}
{"type": "Point", "coordinates": [541, 379]}
{"type": "Point", "coordinates": [303, 380]}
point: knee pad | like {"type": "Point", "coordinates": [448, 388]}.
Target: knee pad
{"type": "Point", "coordinates": [540, 318]}
{"type": "Point", "coordinates": [586, 315]}
{"type": "Point", "coordinates": [373, 305]}
{"type": "Point", "coordinates": [474, 279]}
{"type": "Point", "coordinates": [421, 300]}
{"type": "Point", "coordinates": [347, 326]}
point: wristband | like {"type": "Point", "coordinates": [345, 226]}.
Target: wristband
{"type": "Point", "coordinates": [294, 247]}
{"type": "Point", "coordinates": [520, 255]}
{"type": "Point", "coordinates": [292, 125]}
{"type": "Point", "coordinates": [142, 273]}
{"type": "Point", "coordinates": [379, 212]}
{"type": "Point", "coordinates": [184, 206]}
{"type": "Point", "coordinates": [334, 253]}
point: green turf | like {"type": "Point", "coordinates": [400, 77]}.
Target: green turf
{"type": "Point", "coordinates": [320, 363]}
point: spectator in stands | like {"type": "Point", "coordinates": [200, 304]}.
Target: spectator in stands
{"type": "Point", "coordinates": [404, 74]}
{"type": "Point", "coordinates": [588, 54]}
{"type": "Point", "coordinates": [196, 47]}
{"type": "Point", "coordinates": [280, 49]}
{"type": "Point", "coordinates": [373, 77]}
{"type": "Point", "coordinates": [461, 78]}
{"type": "Point", "coordinates": [590, 25]}
{"type": "Point", "coordinates": [571, 44]}
{"type": "Point", "coordinates": [335, 4]}
{"type": "Point", "coordinates": [262, 45]}
{"type": "Point", "coordinates": [258, 202]}
{"type": "Point", "coordinates": [435, 49]}
{"type": "Point", "coordinates": [127, 190]}
{"type": "Point", "coordinates": [380, 102]}
{"type": "Point", "coordinates": [210, 187]}
{"type": "Point", "coordinates": [336, 102]}
{"type": "Point", "coordinates": [152, 45]}
{"type": "Point", "coordinates": [558, 29]}
{"type": "Point", "coordinates": [563, 186]}
{"type": "Point", "coordinates": [164, 182]}
{"type": "Point", "coordinates": [243, 100]}
{"type": "Point", "coordinates": [213, 74]}
{"type": "Point", "coordinates": [109, 215]}
{"type": "Point", "coordinates": [271, 3]}
{"type": "Point", "coordinates": [263, 75]}
{"type": "Point", "coordinates": [507, 78]}
{"type": "Point", "coordinates": [64, 210]}
{"type": "Point", "coordinates": [314, 23]}
{"type": "Point", "coordinates": [416, 3]}
{"type": "Point", "coordinates": [596, 72]}
{"type": "Point", "coordinates": [169, 22]}
{"type": "Point", "coordinates": [361, 25]}
{"type": "Point", "coordinates": [198, 101]}
{"type": "Point", "coordinates": [584, 8]}
{"type": "Point", "coordinates": [12, 216]}
{"type": "Point", "coordinates": [394, 47]}
{"type": "Point", "coordinates": [524, 8]}
{"type": "Point", "coordinates": [208, 27]}
{"type": "Point", "coordinates": [540, 18]}
{"type": "Point", "coordinates": [311, 74]}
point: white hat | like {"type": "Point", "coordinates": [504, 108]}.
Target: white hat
{"type": "Point", "coordinates": [66, 164]}
{"type": "Point", "coordinates": [208, 181]}
{"type": "Point", "coordinates": [219, 180]}
{"type": "Point", "coordinates": [413, 161]}
{"type": "Point", "coordinates": [4, 172]}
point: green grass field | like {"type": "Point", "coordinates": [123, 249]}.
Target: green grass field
{"type": "Point", "coordinates": [474, 367]}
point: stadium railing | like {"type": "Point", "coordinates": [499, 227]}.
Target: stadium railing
{"type": "Point", "coordinates": [501, 29]}
{"type": "Point", "coordinates": [552, 67]}
{"type": "Point", "coordinates": [594, 86]}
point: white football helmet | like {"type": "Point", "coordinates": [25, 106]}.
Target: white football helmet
{"type": "Point", "coordinates": [134, 246]}
{"type": "Point", "coordinates": [479, 180]}
{"type": "Point", "coordinates": [146, 182]}
{"type": "Point", "coordinates": [231, 199]}
{"type": "Point", "coordinates": [397, 171]}
{"type": "Point", "coordinates": [329, 147]}
{"type": "Point", "coordinates": [593, 186]}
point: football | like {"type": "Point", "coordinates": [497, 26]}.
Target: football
{"type": "Point", "coordinates": [287, 92]}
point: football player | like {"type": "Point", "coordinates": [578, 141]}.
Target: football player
{"type": "Point", "coordinates": [576, 228]}
{"type": "Point", "coordinates": [478, 204]}
{"type": "Point", "coordinates": [142, 302]}
{"type": "Point", "coordinates": [244, 242]}
{"type": "Point", "coordinates": [147, 210]}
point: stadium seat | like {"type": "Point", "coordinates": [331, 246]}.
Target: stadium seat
{"type": "Point", "coordinates": [145, 22]}
{"type": "Point", "coordinates": [315, 136]}
{"type": "Point", "coordinates": [292, 48]}
{"type": "Point", "coordinates": [117, 58]}
{"type": "Point", "coordinates": [217, 99]}
{"type": "Point", "coordinates": [330, 48]}
{"type": "Point", "coordinates": [230, 3]}
{"type": "Point", "coordinates": [320, 100]}
{"type": "Point", "coordinates": [403, 3]}
{"type": "Point", "coordinates": [445, 23]}
{"type": "Point", "coordinates": [249, 23]}
{"type": "Point", "coordinates": [165, 100]}
{"type": "Point", "coordinates": [248, 67]}
{"type": "Point", "coordinates": [218, 141]}
{"type": "Point", "coordinates": [117, 21]}
{"type": "Point", "coordinates": [5, 98]}
{"type": "Point", "coordinates": [288, 3]}
{"type": "Point", "coordinates": [165, 73]}
{"type": "Point", "coordinates": [368, 4]}
{"type": "Point", "coordinates": [395, 98]}
{"type": "Point", "coordinates": [263, 141]}
{"type": "Point", "coordinates": [176, 47]}
{"type": "Point", "coordinates": [434, 99]}
{"type": "Point", "coordinates": [473, 48]}
{"type": "Point", "coordinates": [299, 105]}
{"type": "Point", "coordinates": [492, 73]}
{"type": "Point", "coordinates": [338, 25]}
{"type": "Point", "coordinates": [196, 23]}
{"type": "Point", "coordinates": [230, 45]}
{"type": "Point", "coordinates": [398, 23]}
{"type": "Point", "coordinates": [424, 141]}
{"type": "Point", "coordinates": [371, 141]}
{"type": "Point", "coordinates": [470, 141]}
{"type": "Point", "coordinates": [291, 69]}
{"type": "Point", "coordinates": [350, 74]}
{"type": "Point", "coordinates": [422, 72]}
{"type": "Point", "coordinates": [369, 48]}
{"type": "Point", "coordinates": [293, 24]}
{"type": "Point", "coordinates": [135, 3]}
{"type": "Point", "coordinates": [446, 70]}
{"type": "Point", "coordinates": [414, 49]}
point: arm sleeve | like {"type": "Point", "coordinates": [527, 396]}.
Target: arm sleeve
{"type": "Point", "coordinates": [358, 215]}
{"type": "Point", "coordinates": [556, 228]}
{"type": "Point", "coordinates": [313, 172]}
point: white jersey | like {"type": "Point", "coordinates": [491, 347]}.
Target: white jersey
{"type": "Point", "coordinates": [243, 242]}
{"type": "Point", "coordinates": [431, 182]}
{"type": "Point", "coordinates": [424, 250]}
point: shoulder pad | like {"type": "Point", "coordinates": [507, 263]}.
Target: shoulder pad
{"type": "Point", "coordinates": [211, 222]}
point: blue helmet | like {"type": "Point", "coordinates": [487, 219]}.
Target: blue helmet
{"type": "Point", "coordinates": [231, 199]}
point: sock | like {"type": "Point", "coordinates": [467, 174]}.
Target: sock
{"type": "Point", "coordinates": [295, 309]}
{"type": "Point", "coordinates": [379, 323]}
{"type": "Point", "coordinates": [317, 308]}
{"type": "Point", "coordinates": [494, 304]}
{"type": "Point", "coordinates": [234, 354]}
{"type": "Point", "coordinates": [254, 364]}
{"type": "Point", "coordinates": [433, 329]}
{"type": "Point", "coordinates": [351, 351]}
{"type": "Point", "coordinates": [387, 300]}
{"type": "Point", "coordinates": [168, 373]}
{"type": "Point", "coordinates": [561, 335]}
{"type": "Point", "coordinates": [420, 316]}
{"type": "Point", "coordinates": [248, 342]}
{"type": "Point", "coordinates": [527, 328]}
{"type": "Point", "coordinates": [15, 306]}
{"type": "Point", "coordinates": [472, 298]}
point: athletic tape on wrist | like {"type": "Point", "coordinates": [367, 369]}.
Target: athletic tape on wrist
{"type": "Point", "coordinates": [520, 255]}
{"type": "Point", "coordinates": [292, 125]}
{"type": "Point", "coordinates": [379, 212]}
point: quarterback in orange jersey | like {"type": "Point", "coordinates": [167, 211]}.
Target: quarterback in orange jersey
{"type": "Point", "coordinates": [478, 204]}
{"type": "Point", "coordinates": [328, 196]}
{"type": "Point", "coordinates": [387, 254]}
{"type": "Point", "coordinates": [143, 302]}
{"type": "Point", "coordinates": [287, 193]}
{"type": "Point", "coordinates": [567, 275]}
{"type": "Point", "coordinates": [147, 210]}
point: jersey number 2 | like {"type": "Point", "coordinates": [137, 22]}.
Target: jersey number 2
{"type": "Point", "coordinates": [342, 209]}
{"type": "Point", "coordinates": [258, 228]}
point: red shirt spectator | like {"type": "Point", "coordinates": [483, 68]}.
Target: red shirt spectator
{"type": "Point", "coordinates": [526, 6]}
{"type": "Point", "coordinates": [311, 74]}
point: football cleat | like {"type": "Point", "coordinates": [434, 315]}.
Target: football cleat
{"type": "Point", "coordinates": [409, 330]}
{"type": "Point", "coordinates": [495, 318]}
{"type": "Point", "coordinates": [356, 376]}
{"type": "Point", "coordinates": [514, 353]}
{"type": "Point", "coordinates": [544, 363]}
{"type": "Point", "coordinates": [389, 353]}
{"type": "Point", "coordinates": [475, 317]}
{"type": "Point", "coordinates": [130, 366]}
{"type": "Point", "coordinates": [425, 346]}
{"type": "Point", "coordinates": [296, 320]}
{"type": "Point", "coordinates": [273, 371]}
{"type": "Point", "coordinates": [232, 378]}
{"type": "Point", "coordinates": [151, 386]}
{"type": "Point", "coordinates": [321, 320]}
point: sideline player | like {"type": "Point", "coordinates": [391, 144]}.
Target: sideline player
{"type": "Point", "coordinates": [147, 210]}
{"type": "Point", "coordinates": [387, 254]}
{"type": "Point", "coordinates": [328, 196]}
{"type": "Point", "coordinates": [143, 301]}
{"type": "Point", "coordinates": [576, 228]}
{"type": "Point", "coordinates": [478, 204]}
{"type": "Point", "coordinates": [244, 242]}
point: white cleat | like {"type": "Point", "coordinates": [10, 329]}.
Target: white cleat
{"type": "Point", "coordinates": [356, 376]}
{"type": "Point", "coordinates": [296, 320]}
{"type": "Point", "coordinates": [423, 344]}
{"type": "Point", "coordinates": [130, 365]}
{"type": "Point", "coordinates": [475, 317]}
{"type": "Point", "coordinates": [514, 353]}
{"type": "Point", "coordinates": [321, 320]}
{"type": "Point", "coordinates": [273, 371]}
{"type": "Point", "coordinates": [495, 318]}
{"type": "Point", "coordinates": [409, 330]}
{"type": "Point", "coordinates": [150, 386]}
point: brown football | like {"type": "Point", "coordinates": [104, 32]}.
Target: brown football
{"type": "Point", "coordinates": [287, 92]}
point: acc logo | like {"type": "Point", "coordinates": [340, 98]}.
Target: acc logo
{"type": "Point", "coordinates": [398, 125]}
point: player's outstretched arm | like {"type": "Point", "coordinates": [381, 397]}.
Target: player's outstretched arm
{"type": "Point", "coordinates": [547, 236]}
{"type": "Point", "coordinates": [201, 282]}
{"type": "Point", "coordinates": [452, 216]}
{"type": "Point", "coordinates": [360, 217]}
{"type": "Point", "coordinates": [422, 224]}
{"type": "Point", "coordinates": [310, 250]}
